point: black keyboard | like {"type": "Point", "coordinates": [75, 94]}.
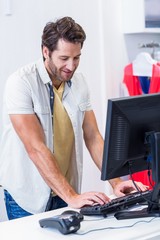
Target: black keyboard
{"type": "Point", "coordinates": [117, 204]}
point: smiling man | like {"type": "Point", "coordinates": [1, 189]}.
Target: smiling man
{"type": "Point", "coordinates": [47, 114]}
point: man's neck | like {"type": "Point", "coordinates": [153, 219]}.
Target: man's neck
{"type": "Point", "coordinates": [56, 83]}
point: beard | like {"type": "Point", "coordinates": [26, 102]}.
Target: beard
{"type": "Point", "coordinates": [61, 74]}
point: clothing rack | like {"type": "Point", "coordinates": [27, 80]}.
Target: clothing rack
{"type": "Point", "coordinates": [153, 45]}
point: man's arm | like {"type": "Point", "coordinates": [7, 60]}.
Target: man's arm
{"type": "Point", "coordinates": [93, 138]}
{"type": "Point", "coordinates": [31, 134]}
{"type": "Point", "coordinates": [95, 144]}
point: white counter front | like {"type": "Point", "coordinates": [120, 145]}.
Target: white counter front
{"type": "Point", "coordinates": [99, 228]}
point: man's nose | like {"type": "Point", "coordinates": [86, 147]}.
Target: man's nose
{"type": "Point", "coordinates": [71, 65]}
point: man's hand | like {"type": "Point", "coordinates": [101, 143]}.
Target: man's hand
{"type": "Point", "coordinates": [88, 198]}
{"type": "Point", "coordinates": [124, 187]}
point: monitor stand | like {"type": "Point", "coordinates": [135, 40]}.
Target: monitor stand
{"type": "Point", "coordinates": [153, 208]}
{"type": "Point", "coordinates": [136, 214]}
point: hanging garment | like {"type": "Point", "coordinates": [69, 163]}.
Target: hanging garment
{"type": "Point", "coordinates": [138, 85]}
{"type": "Point", "coordinates": [143, 64]}
{"type": "Point", "coordinates": [133, 83]}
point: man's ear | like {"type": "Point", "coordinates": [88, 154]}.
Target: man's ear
{"type": "Point", "coordinates": [45, 52]}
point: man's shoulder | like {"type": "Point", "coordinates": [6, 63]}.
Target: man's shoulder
{"type": "Point", "coordinates": [24, 70]}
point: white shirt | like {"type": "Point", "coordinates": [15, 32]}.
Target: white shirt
{"type": "Point", "coordinates": [27, 92]}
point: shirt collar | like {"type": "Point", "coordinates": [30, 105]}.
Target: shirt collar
{"type": "Point", "coordinates": [42, 71]}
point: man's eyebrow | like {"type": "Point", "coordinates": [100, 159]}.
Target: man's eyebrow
{"type": "Point", "coordinates": [68, 56]}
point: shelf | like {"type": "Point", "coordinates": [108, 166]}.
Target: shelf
{"type": "Point", "coordinates": [133, 17]}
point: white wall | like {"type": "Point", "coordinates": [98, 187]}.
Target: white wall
{"type": "Point", "coordinates": [105, 53]}
{"type": "Point", "coordinates": [21, 39]}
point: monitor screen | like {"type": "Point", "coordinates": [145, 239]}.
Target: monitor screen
{"type": "Point", "coordinates": [130, 123]}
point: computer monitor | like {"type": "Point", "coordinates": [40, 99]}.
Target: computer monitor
{"type": "Point", "coordinates": [132, 140]}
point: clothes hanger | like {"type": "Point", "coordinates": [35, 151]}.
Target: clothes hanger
{"type": "Point", "coordinates": [143, 64]}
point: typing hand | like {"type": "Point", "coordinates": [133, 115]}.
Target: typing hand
{"type": "Point", "coordinates": [88, 198]}
{"type": "Point", "coordinates": [125, 187]}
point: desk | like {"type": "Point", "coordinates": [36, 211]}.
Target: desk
{"type": "Point", "coordinates": [28, 228]}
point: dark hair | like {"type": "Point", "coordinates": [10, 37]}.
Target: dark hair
{"type": "Point", "coordinates": [65, 28]}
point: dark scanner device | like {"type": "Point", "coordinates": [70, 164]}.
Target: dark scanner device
{"type": "Point", "coordinates": [67, 222]}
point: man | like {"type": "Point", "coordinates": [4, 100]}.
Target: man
{"type": "Point", "coordinates": [47, 112]}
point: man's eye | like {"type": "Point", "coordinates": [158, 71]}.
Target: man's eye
{"type": "Point", "coordinates": [64, 59]}
{"type": "Point", "coordinates": [77, 58]}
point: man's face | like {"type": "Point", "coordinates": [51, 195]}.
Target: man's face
{"type": "Point", "coordinates": [62, 62]}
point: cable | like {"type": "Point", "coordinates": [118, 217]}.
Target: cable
{"type": "Point", "coordinates": [149, 177]}
{"type": "Point", "coordinates": [146, 199]}
{"type": "Point", "coordinates": [112, 228]}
